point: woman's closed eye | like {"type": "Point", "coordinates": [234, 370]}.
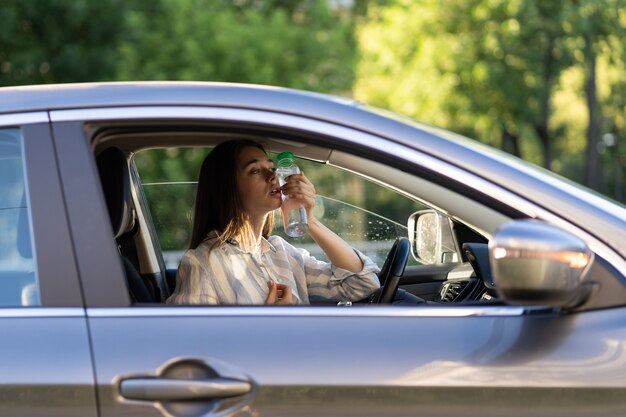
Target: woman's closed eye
{"type": "Point", "coordinates": [255, 171]}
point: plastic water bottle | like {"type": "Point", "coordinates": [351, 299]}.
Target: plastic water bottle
{"type": "Point", "coordinates": [294, 215]}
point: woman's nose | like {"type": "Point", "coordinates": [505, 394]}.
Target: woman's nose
{"type": "Point", "coordinates": [271, 175]}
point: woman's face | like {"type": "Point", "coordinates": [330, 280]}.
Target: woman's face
{"type": "Point", "coordinates": [257, 183]}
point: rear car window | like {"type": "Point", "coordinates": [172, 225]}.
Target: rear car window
{"type": "Point", "coordinates": [18, 281]}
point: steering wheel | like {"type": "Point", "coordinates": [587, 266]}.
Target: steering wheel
{"type": "Point", "coordinates": [392, 271]}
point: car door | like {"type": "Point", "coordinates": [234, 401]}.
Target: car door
{"type": "Point", "coordinates": [153, 360]}
{"type": "Point", "coordinates": [45, 357]}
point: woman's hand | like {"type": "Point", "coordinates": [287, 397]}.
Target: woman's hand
{"type": "Point", "coordinates": [298, 187]}
{"type": "Point", "coordinates": [279, 293]}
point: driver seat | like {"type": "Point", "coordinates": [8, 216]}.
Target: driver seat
{"type": "Point", "coordinates": [115, 180]}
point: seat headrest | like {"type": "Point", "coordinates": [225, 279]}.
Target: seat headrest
{"type": "Point", "coordinates": [115, 179]}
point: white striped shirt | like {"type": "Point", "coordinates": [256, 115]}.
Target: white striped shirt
{"type": "Point", "coordinates": [229, 275]}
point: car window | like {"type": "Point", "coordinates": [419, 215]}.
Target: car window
{"type": "Point", "coordinates": [18, 282]}
{"type": "Point", "coordinates": [365, 214]}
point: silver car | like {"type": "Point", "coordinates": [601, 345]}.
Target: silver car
{"type": "Point", "coordinates": [522, 273]}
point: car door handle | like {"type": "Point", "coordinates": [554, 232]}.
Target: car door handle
{"type": "Point", "coordinates": [163, 389]}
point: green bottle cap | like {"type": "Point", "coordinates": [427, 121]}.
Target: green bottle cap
{"type": "Point", "coordinates": [284, 155]}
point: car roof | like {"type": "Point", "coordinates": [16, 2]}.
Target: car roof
{"type": "Point", "coordinates": [569, 200]}
{"type": "Point", "coordinates": [88, 95]}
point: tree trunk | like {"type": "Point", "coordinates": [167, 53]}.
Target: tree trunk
{"type": "Point", "coordinates": [542, 127]}
{"type": "Point", "coordinates": [546, 146]}
{"type": "Point", "coordinates": [510, 143]}
{"type": "Point", "coordinates": [619, 165]}
{"type": "Point", "coordinates": [593, 129]}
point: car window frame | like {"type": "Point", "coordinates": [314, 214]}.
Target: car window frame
{"type": "Point", "coordinates": [98, 261]}
{"type": "Point", "coordinates": [53, 255]}
{"type": "Point", "coordinates": [366, 144]}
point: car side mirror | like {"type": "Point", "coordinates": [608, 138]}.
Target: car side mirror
{"type": "Point", "coordinates": [431, 238]}
{"type": "Point", "coordinates": [533, 262]}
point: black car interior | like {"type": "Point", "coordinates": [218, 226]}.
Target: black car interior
{"type": "Point", "coordinates": [115, 179]}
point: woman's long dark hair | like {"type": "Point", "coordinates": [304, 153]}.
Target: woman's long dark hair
{"type": "Point", "coordinates": [218, 206]}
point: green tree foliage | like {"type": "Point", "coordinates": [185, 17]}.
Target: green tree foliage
{"type": "Point", "coordinates": [300, 44]}
{"type": "Point", "coordinates": [55, 41]}
{"type": "Point", "coordinates": [501, 74]}
{"type": "Point", "coordinates": [598, 31]}
{"type": "Point", "coordinates": [542, 80]}
{"type": "Point", "coordinates": [295, 43]}
{"type": "Point", "coordinates": [469, 67]}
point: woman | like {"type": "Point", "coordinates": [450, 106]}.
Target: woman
{"type": "Point", "coordinates": [232, 257]}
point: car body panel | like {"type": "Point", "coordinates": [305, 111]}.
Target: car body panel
{"type": "Point", "coordinates": [322, 360]}
{"type": "Point", "coordinates": [493, 361]}
{"type": "Point", "coordinates": [56, 269]}
{"type": "Point", "coordinates": [46, 366]}
{"type": "Point", "coordinates": [58, 281]}
{"type": "Point", "coordinates": [96, 254]}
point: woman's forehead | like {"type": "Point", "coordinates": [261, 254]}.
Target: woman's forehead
{"type": "Point", "coordinates": [251, 154]}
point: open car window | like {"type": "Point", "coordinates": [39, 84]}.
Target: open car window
{"type": "Point", "coordinates": [367, 215]}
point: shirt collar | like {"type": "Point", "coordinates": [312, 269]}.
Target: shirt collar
{"type": "Point", "coordinates": [266, 245]}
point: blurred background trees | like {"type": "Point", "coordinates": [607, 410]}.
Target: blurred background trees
{"type": "Point", "coordinates": [543, 80]}
{"type": "Point", "coordinates": [299, 44]}
{"type": "Point", "coordinates": [57, 41]}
